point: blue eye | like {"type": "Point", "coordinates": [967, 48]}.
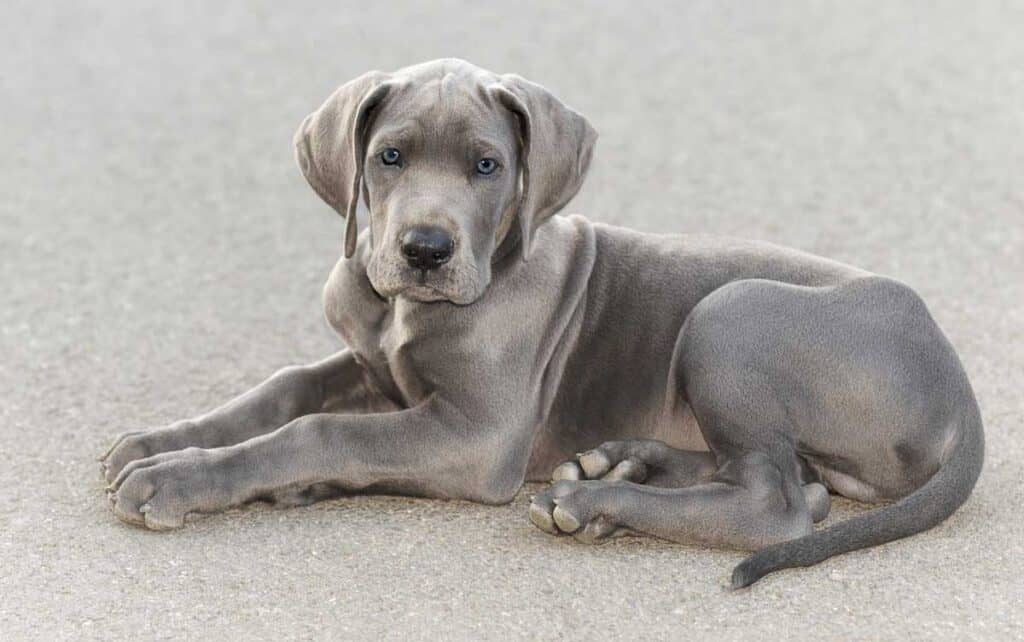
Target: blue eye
{"type": "Point", "coordinates": [390, 156]}
{"type": "Point", "coordinates": [486, 166]}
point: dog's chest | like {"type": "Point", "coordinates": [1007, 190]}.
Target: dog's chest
{"type": "Point", "coordinates": [384, 351]}
{"type": "Point", "coordinates": [366, 324]}
{"type": "Point", "coordinates": [400, 344]}
{"type": "Point", "coordinates": [397, 347]}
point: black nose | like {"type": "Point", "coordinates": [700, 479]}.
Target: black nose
{"type": "Point", "coordinates": [425, 248]}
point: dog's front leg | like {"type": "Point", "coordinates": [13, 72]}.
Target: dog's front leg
{"type": "Point", "coordinates": [430, 450]}
{"type": "Point", "coordinates": [337, 383]}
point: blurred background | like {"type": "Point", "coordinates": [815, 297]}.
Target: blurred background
{"type": "Point", "coordinates": [160, 252]}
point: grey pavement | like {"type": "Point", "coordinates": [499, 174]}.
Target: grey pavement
{"type": "Point", "coordinates": [160, 252]}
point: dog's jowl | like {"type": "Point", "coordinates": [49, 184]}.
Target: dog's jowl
{"type": "Point", "coordinates": [719, 390]}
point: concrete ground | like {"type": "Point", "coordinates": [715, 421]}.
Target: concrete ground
{"type": "Point", "coordinates": [160, 252]}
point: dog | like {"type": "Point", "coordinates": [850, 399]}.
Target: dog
{"type": "Point", "coordinates": [716, 390]}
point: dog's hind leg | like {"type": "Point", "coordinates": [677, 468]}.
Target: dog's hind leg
{"type": "Point", "coordinates": [750, 502]}
{"type": "Point", "coordinates": [654, 463]}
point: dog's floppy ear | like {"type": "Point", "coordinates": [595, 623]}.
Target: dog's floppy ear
{"type": "Point", "coordinates": [330, 146]}
{"type": "Point", "coordinates": [556, 146]}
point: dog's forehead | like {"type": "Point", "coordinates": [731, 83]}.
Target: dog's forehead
{"type": "Point", "coordinates": [445, 101]}
{"type": "Point", "coordinates": [452, 70]}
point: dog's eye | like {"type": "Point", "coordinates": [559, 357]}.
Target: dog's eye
{"type": "Point", "coordinates": [390, 156]}
{"type": "Point", "coordinates": [486, 166]}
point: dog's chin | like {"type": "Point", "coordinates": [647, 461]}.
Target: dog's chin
{"type": "Point", "coordinates": [423, 294]}
{"type": "Point", "coordinates": [427, 293]}
{"type": "Point", "coordinates": [459, 286]}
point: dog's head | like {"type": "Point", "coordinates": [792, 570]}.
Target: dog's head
{"type": "Point", "coordinates": [447, 157]}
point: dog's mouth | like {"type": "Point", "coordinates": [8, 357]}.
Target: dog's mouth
{"type": "Point", "coordinates": [424, 286]}
{"type": "Point", "coordinates": [454, 282]}
{"type": "Point", "coordinates": [430, 289]}
{"type": "Point", "coordinates": [421, 286]}
{"type": "Point", "coordinates": [424, 293]}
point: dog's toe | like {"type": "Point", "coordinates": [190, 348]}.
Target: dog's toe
{"type": "Point", "coordinates": [161, 518]}
{"type": "Point", "coordinates": [595, 463]}
{"type": "Point", "coordinates": [565, 520]}
{"type": "Point", "coordinates": [540, 515]}
{"type": "Point", "coordinates": [598, 530]}
{"type": "Point", "coordinates": [568, 471]}
{"type": "Point", "coordinates": [577, 508]}
{"type": "Point", "coordinates": [627, 470]}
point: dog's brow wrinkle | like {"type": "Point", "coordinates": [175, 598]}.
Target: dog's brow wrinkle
{"type": "Point", "coordinates": [446, 86]}
{"type": "Point", "coordinates": [481, 147]}
{"type": "Point", "coordinates": [396, 133]}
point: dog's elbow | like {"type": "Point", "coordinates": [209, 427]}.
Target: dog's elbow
{"type": "Point", "coordinates": [496, 489]}
{"type": "Point", "coordinates": [493, 498]}
{"type": "Point", "coordinates": [497, 498]}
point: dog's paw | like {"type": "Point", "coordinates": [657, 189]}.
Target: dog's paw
{"type": "Point", "coordinates": [610, 461]}
{"type": "Point", "coordinates": [139, 444]}
{"type": "Point", "coordinates": [126, 448]}
{"type": "Point", "coordinates": [159, 491]}
{"type": "Point", "coordinates": [642, 461]}
{"type": "Point", "coordinates": [578, 508]}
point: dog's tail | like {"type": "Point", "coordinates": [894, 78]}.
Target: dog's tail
{"type": "Point", "coordinates": [926, 507]}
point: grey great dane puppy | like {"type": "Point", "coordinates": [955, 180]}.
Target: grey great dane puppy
{"type": "Point", "coordinates": [722, 387]}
